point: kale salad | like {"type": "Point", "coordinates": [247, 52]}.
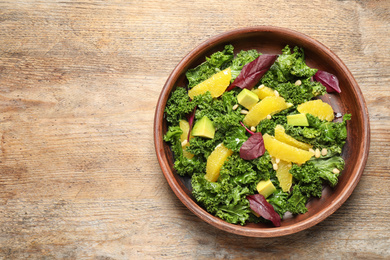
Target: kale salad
{"type": "Point", "coordinates": [253, 134]}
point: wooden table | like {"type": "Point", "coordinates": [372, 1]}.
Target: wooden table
{"type": "Point", "coordinates": [79, 82]}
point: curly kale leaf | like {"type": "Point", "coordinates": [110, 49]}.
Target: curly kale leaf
{"type": "Point", "coordinates": [296, 204]}
{"type": "Point", "coordinates": [226, 198]}
{"type": "Point", "coordinates": [225, 201]}
{"type": "Point", "coordinates": [319, 169]}
{"type": "Point", "coordinates": [278, 200]}
{"type": "Point", "coordinates": [183, 165]}
{"type": "Point", "coordinates": [267, 126]}
{"type": "Point", "coordinates": [202, 147]}
{"type": "Point", "coordinates": [264, 166]}
{"type": "Point", "coordinates": [219, 110]}
{"type": "Point", "coordinates": [321, 133]}
{"type": "Point", "coordinates": [242, 58]}
{"type": "Point", "coordinates": [235, 137]}
{"type": "Point", "coordinates": [288, 68]}
{"type": "Point", "coordinates": [297, 94]}
{"type": "Point", "coordinates": [178, 106]}
{"type": "Point", "coordinates": [215, 63]}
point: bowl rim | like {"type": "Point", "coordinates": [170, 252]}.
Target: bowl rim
{"type": "Point", "coordinates": [245, 230]}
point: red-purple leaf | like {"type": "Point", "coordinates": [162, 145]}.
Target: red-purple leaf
{"type": "Point", "coordinates": [190, 119]}
{"type": "Point", "coordinates": [253, 147]}
{"type": "Point", "coordinates": [329, 80]}
{"type": "Point", "coordinates": [246, 128]}
{"type": "Point", "coordinates": [259, 204]}
{"type": "Point", "coordinates": [252, 72]}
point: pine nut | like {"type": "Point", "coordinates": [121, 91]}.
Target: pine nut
{"type": "Point", "coordinates": [336, 171]}
{"type": "Point", "coordinates": [261, 86]}
{"type": "Point", "coordinates": [275, 166]}
{"type": "Point", "coordinates": [324, 151]}
{"type": "Point", "coordinates": [312, 151]}
{"type": "Point", "coordinates": [269, 116]}
{"type": "Point", "coordinates": [277, 160]}
{"type": "Point", "coordinates": [298, 83]}
{"type": "Point", "coordinates": [184, 143]}
{"type": "Point", "coordinates": [276, 93]}
{"type": "Point", "coordinates": [317, 153]}
{"type": "Point", "coordinates": [253, 129]}
{"type": "Point", "coordinates": [235, 107]}
{"type": "Point", "coordinates": [244, 112]}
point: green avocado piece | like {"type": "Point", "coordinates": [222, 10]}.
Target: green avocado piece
{"type": "Point", "coordinates": [204, 128]}
{"type": "Point", "coordinates": [247, 98]}
{"type": "Point", "coordinates": [265, 188]}
{"type": "Point", "coordinates": [297, 120]}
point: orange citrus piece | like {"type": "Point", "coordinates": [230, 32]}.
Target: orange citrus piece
{"type": "Point", "coordinates": [185, 127]}
{"type": "Point", "coordinates": [264, 91]}
{"type": "Point", "coordinates": [281, 135]}
{"type": "Point", "coordinates": [215, 162]}
{"type": "Point", "coordinates": [283, 174]}
{"type": "Point", "coordinates": [285, 151]}
{"type": "Point", "coordinates": [268, 106]}
{"type": "Point", "coordinates": [216, 84]}
{"type": "Point", "coordinates": [317, 108]}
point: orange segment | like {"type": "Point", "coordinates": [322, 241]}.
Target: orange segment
{"type": "Point", "coordinates": [263, 91]}
{"type": "Point", "coordinates": [317, 108]}
{"type": "Point", "coordinates": [185, 127]}
{"type": "Point", "coordinates": [285, 151]}
{"type": "Point", "coordinates": [216, 84]}
{"type": "Point", "coordinates": [268, 106]}
{"type": "Point", "coordinates": [215, 162]}
{"type": "Point", "coordinates": [281, 135]}
{"type": "Point", "coordinates": [283, 175]}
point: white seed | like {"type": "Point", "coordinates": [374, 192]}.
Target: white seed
{"type": "Point", "coordinates": [184, 143]}
{"type": "Point", "coordinates": [336, 171]}
{"type": "Point", "coordinates": [235, 106]}
{"type": "Point", "coordinates": [269, 116]}
{"type": "Point", "coordinates": [324, 151]}
{"type": "Point", "coordinates": [275, 166]}
{"type": "Point", "coordinates": [244, 112]}
{"type": "Point", "coordinates": [253, 129]}
{"type": "Point", "coordinates": [277, 160]}
{"type": "Point", "coordinates": [298, 82]}
{"type": "Point", "coordinates": [317, 153]}
{"type": "Point", "coordinates": [276, 93]}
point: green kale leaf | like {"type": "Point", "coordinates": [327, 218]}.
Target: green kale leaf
{"type": "Point", "coordinates": [321, 133]}
{"type": "Point", "coordinates": [226, 198]}
{"type": "Point", "coordinates": [288, 68]}
{"type": "Point", "coordinates": [217, 62]}
{"type": "Point", "coordinates": [178, 106]}
{"type": "Point", "coordinates": [296, 204]}
{"type": "Point", "coordinates": [182, 165]}
{"type": "Point", "coordinates": [241, 59]}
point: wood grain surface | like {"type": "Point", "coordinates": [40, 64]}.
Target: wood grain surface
{"type": "Point", "coordinates": [79, 82]}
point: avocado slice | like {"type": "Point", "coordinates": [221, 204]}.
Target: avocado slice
{"type": "Point", "coordinates": [204, 128]}
{"type": "Point", "coordinates": [247, 98]}
{"type": "Point", "coordinates": [297, 120]}
{"type": "Point", "coordinates": [265, 188]}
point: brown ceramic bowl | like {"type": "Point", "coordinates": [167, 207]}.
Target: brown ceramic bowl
{"type": "Point", "coordinates": [272, 40]}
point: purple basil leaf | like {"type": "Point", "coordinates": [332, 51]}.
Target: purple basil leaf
{"type": "Point", "coordinates": [259, 204]}
{"type": "Point", "coordinates": [190, 119]}
{"type": "Point", "coordinates": [329, 80]}
{"type": "Point", "coordinates": [253, 147]}
{"type": "Point", "coordinates": [252, 72]}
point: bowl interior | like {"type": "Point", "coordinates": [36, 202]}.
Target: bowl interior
{"type": "Point", "coordinates": [271, 40]}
